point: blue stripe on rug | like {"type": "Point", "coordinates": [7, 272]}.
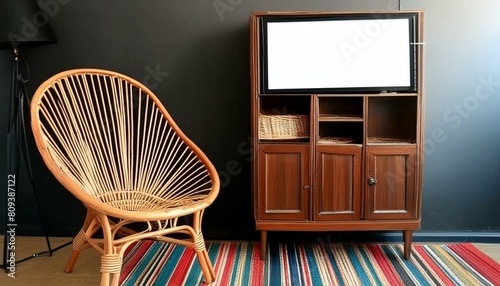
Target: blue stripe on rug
{"type": "Point", "coordinates": [247, 264]}
{"type": "Point", "coordinates": [157, 264]}
{"type": "Point", "coordinates": [369, 266]}
{"type": "Point", "coordinates": [275, 265]}
{"type": "Point", "coordinates": [397, 266]}
{"type": "Point", "coordinates": [412, 268]}
{"type": "Point", "coordinates": [293, 261]}
{"type": "Point", "coordinates": [168, 268]}
{"type": "Point", "coordinates": [312, 263]}
{"type": "Point", "coordinates": [236, 271]}
{"type": "Point", "coordinates": [444, 268]}
{"type": "Point", "coordinates": [356, 263]}
{"type": "Point", "coordinates": [195, 274]}
{"type": "Point", "coordinates": [143, 264]}
{"type": "Point", "coordinates": [335, 263]}
{"type": "Point", "coordinates": [403, 268]}
{"type": "Point", "coordinates": [421, 263]}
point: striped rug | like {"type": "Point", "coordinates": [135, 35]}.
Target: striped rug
{"type": "Point", "coordinates": [238, 263]}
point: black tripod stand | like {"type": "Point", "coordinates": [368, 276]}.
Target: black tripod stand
{"type": "Point", "coordinates": [17, 150]}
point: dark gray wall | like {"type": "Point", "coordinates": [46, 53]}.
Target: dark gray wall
{"type": "Point", "coordinates": [195, 56]}
{"type": "Point", "coordinates": [462, 158]}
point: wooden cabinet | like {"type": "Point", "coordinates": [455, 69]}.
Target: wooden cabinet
{"type": "Point", "coordinates": [391, 189]}
{"type": "Point", "coordinates": [283, 191]}
{"type": "Point", "coordinates": [334, 160]}
{"type": "Point", "coordinates": [338, 183]}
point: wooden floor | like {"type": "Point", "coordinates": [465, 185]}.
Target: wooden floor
{"type": "Point", "coordinates": [49, 270]}
{"type": "Point", "coordinates": [45, 270]}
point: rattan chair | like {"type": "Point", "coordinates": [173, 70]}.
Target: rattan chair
{"type": "Point", "coordinates": [110, 141]}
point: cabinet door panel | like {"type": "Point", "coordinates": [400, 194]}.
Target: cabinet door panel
{"type": "Point", "coordinates": [391, 182]}
{"type": "Point", "coordinates": [337, 186]}
{"type": "Point", "coordinates": [283, 182]}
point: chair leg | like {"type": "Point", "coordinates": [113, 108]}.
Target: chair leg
{"type": "Point", "coordinates": [72, 261]}
{"type": "Point", "coordinates": [79, 243]}
{"type": "Point", "coordinates": [111, 259]}
{"type": "Point", "coordinates": [105, 279]}
{"type": "Point", "coordinates": [203, 258]}
{"type": "Point", "coordinates": [201, 250]}
{"type": "Point", "coordinates": [210, 266]}
{"type": "Point", "coordinates": [111, 265]}
{"type": "Point", "coordinates": [206, 266]}
{"type": "Point", "coordinates": [116, 279]}
{"type": "Point", "coordinates": [110, 279]}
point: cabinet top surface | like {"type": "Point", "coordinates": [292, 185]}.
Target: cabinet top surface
{"type": "Point", "coordinates": [312, 13]}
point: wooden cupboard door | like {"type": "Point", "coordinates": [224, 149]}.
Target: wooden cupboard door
{"type": "Point", "coordinates": [283, 182]}
{"type": "Point", "coordinates": [337, 193]}
{"type": "Point", "coordinates": [391, 183]}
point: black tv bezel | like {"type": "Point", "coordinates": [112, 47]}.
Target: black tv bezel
{"type": "Point", "coordinates": [413, 38]}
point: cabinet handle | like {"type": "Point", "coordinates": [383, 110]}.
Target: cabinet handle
{"type": "Point", "coordinates": [372, 181]}
{"type": "Point", "coordinates": [306, 187]}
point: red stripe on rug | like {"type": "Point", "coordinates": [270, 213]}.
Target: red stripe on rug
{"type": "Point", "coordinates": [228, 266]}
{"type": "Point", "coordinates": [183, 265]}
{"type": "Point", "coordinates": [303, 261]}
{"type": "Point", "coordinates": [257, 268]}
{"type": "Point", "coordinates": [221, 262]}
{"type": "Point", "coordinates": [220, 256]}
{"type": "Point", "coordinates": [284, 263]}
{"type": "Point", "coordinates": [131, 262]}
{"type": "Point", "coordinates": [161, 260]}
{"type": "Point", "coordinates": [482, 263]}
{"type": "Point", "coordinates": [429, 261]}
{"type": "Point", "coordinates": [384, 263]}
{"type": "Point", "coordinates": [129, 248]}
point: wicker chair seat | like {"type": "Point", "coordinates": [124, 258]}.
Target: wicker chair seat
{"type": "Point", "coordinates": [137, 201]}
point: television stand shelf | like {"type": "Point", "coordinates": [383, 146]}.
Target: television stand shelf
{"type": "Point", "coordinates": [329, 157]}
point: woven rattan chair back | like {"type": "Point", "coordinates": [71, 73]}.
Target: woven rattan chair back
{"type": "Point", "coordinates": [109, 140]}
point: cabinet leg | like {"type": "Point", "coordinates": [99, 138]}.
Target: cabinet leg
{"type": "Point", "coordinates": [407, 236]}
{"type": "Point", "coordinates": [263, 244]}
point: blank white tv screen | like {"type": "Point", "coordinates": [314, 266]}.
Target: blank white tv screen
{"type": "Point", "coordinates": [331, 54]}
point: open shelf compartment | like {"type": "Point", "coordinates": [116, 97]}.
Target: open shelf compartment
{"type": "Point", "coordinates": [284, 118]}
{"type": "Point", "coordinates": [392, 120]}
{"type": "Point", "coordinates": [339, 108]}
{"type": "Point", "coordinates": [340, 133]}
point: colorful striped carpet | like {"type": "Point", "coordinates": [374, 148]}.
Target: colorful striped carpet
{"type": "Point", "coordinates": [238, 263]}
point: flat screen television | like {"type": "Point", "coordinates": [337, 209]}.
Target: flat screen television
{"type": "Point", "coordinates": [338, 53]}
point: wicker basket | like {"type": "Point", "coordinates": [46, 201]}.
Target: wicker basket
{"type": "Point", "coordinates": [283, 127]}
